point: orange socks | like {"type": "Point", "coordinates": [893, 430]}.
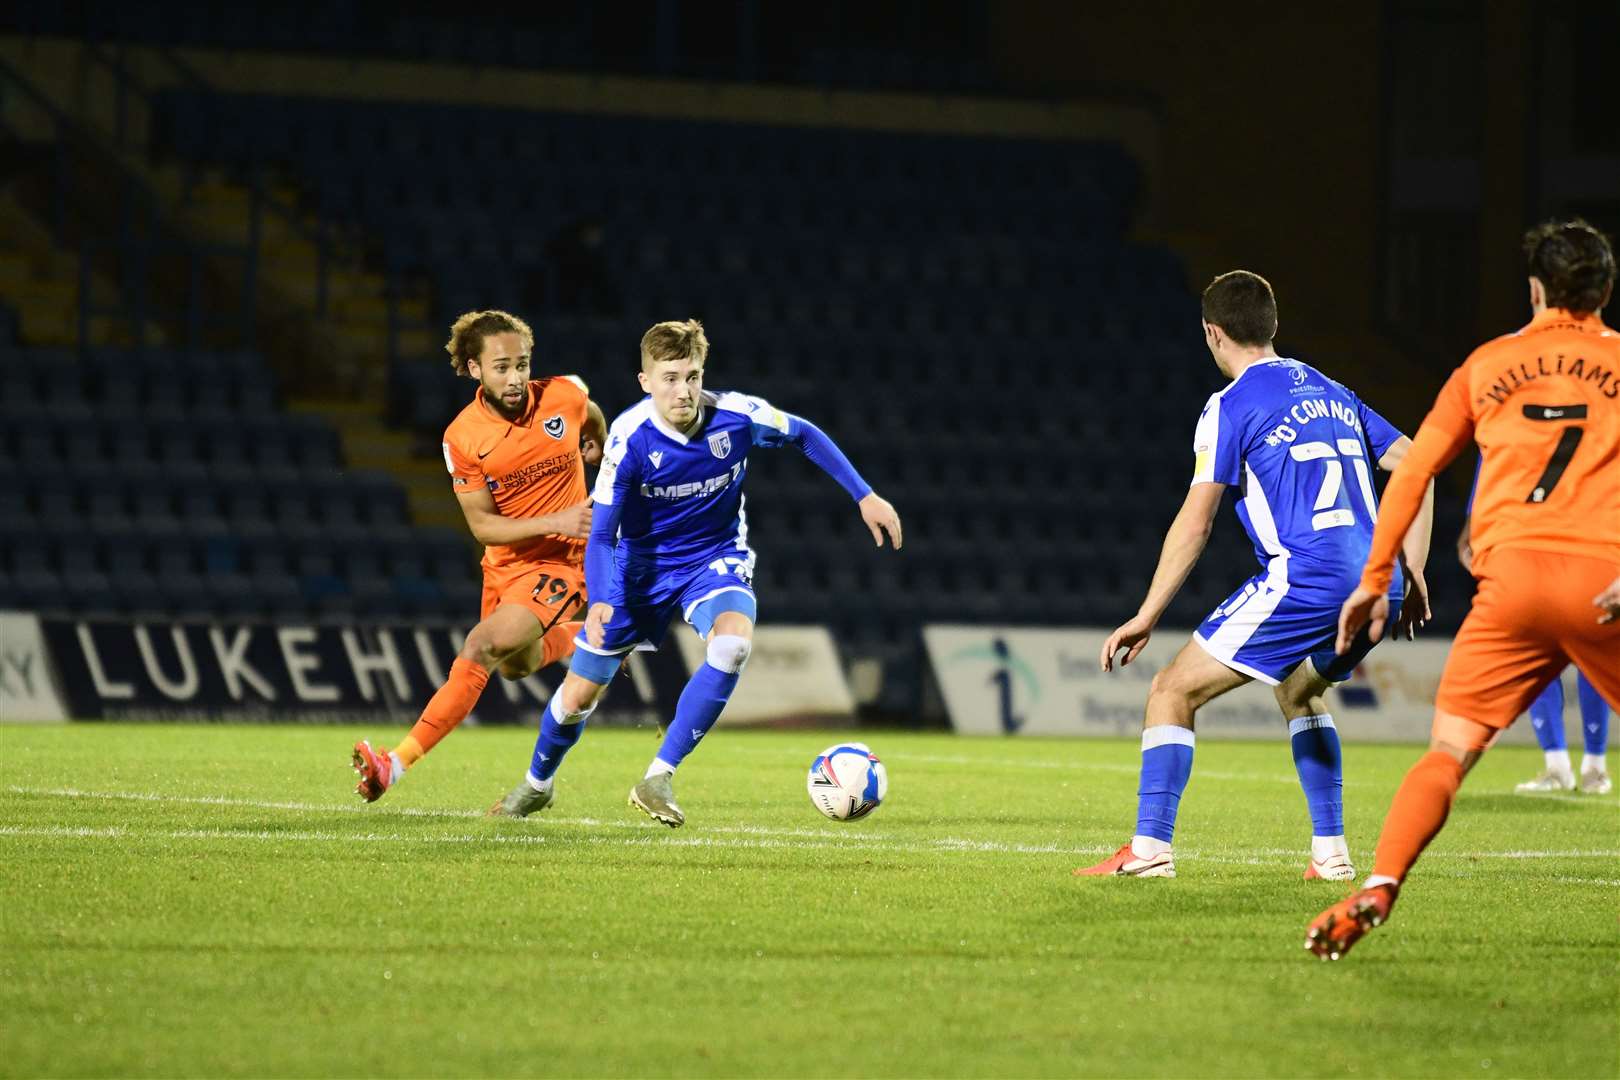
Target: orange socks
{"type": "Point", "coordinates": [447, 708]}
{"type": "Point", "coordinates": [460, 692]}
{"type": "Point", "coordinates": [1419, 810]}
{"type": "Point", "coordinates": [558, 643]}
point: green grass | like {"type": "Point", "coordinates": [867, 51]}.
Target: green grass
{"type": "Point", "coordinates": [214, 902]}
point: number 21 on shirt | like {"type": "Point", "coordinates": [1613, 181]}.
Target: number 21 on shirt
{"type": "Point", "coordinates": [1327, 513]}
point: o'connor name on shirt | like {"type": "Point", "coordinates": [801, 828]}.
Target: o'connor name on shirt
{"type": "Point", "coordinates": [1310, 409]}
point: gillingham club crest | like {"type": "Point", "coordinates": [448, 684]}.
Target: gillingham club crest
{"type": "Point", "coordinates": [720, 444]}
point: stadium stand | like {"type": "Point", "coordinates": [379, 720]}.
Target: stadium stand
{"type": "Point", "coordinates": [1021, 372]}
{"type": "Point", "coordinates": [853, 45]}
{"type": "Point", "coordinates": [965, 314]}
{"type": "Point", "coordinates": [163, 482]}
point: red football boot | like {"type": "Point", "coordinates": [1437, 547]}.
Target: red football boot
{"type": "Point", "coordinates": [1331, 933]}
{"type": "Point", "coordinates": [1126, 863]}
{"type": "Point", "coordinates": [376, 769]}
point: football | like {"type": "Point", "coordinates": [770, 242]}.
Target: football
{"type": "Point", "coordinates": [847, 781]}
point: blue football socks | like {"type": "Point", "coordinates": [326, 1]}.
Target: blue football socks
{"type": "Point", "coordinates": [1167, 757]}
{"type": "Point", "coordinates": [1594, 718]}
{"type": "Point", "coordinates": [699, 707]}
{"type": "Point", "coordinates": [1547, 717]}
{"type": "Point", "coordinates": [556, 738]}
{"type": "Point", "coordinates": [1319, 760]}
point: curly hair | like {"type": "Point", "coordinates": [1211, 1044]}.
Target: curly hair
{"type": "Point", "coordinates": [1574, 263]}
{"type": "Point", "coordinates": [467, 335]}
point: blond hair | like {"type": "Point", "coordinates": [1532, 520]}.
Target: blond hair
{"type": "Point", "coordinates": [467, 335]}
{"type": "Point", "coordinates": [674, 341]}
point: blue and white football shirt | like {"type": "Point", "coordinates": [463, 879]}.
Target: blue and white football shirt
{"type": "Point", "coordinates": [670, 532]}
{"type": "Point", "coordinates": [681, 497]}
{"type": "Point", "coordinates": [1300, 448]}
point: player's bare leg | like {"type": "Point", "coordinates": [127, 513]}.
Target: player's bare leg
{"type": "Point", "coordinates": [562, 726]}
{"type": "Point", "coordinates": [1418, 812]}
{"type": "Point", "coordinates": [554, 645]}
{"type": "Point", "coordinates": [1188, 682]}
{"type": "Point", "coordinates": [509, 629]}
{"type": "Point", "coordinates": [1315, 744]}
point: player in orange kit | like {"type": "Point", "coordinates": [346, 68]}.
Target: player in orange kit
{"type": "Point", "coordinates": [517, 457]}
{"type": "Point", "coordinates": [1544, 406]}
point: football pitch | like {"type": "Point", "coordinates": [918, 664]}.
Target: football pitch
{"type": "Point", "coordinates": [212, 901]}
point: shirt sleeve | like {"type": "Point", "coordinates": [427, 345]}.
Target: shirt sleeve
{"type": "Point", "coordinates": [1453, 409]}
{"type": "Point", "coordinates": [602, 584]}
{"type": "Point", "coordinates": [818, 446]}
{"type": "Point", "coordinates": [618, 474]}
{"type": "Point", "coordinates": [1444, 433]}
{"type": "Point", "coordinates": [616, 480]}
{"type": "Point", "coordinates": [465, 472]}
{"type": "Point", "coordinates": [1381, 434]}
{"type": "Point", "coordinates": [770, 425]}
{"type": "Point", "coordinates": [1217, 454]}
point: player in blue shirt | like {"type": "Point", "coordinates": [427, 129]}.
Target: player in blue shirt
{"type": "Point", "coordinates": [1298, 447]}
{"type": "Point", "coordinates": [669, 536]}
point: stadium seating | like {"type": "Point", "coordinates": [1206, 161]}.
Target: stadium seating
{"type": "Point", "coordinates": [965, 315]}
{"type": "Point", "coordinates": [946, 53]}
{"type": "Point", "coordinates": [166, 483]}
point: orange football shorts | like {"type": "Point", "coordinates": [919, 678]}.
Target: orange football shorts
{"type": "Point", "coordinates": [1532, 617]}
{"type": "Point", "coordinates": [555, 592]}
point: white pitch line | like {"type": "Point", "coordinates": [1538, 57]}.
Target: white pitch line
{"type": "Point", "coordinates": [1088, 766]}
{"type": "Point", "coordinates": [754, 835]}
{"type": "Point", "coordinates": [407, 811]}
{"type": "Point", "coordinates": [118, 832]}
{"type": "Point", "coordinates": [252, 804]}
{"type": "Point", "coordinates": [1133, 770]}
{"type": "Point", "coordinates": [1262, 857]}
{"type": "Point", "coordinates": [123, 833]}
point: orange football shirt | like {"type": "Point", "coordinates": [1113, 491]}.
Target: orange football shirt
{"type": "Point", "coordinates": [530, 465]}
{"type": "Point", "coordinates": [1544, 406]}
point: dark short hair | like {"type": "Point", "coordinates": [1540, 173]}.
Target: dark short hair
{"type": "Point", "coordinates": [1243, 306]}
{"type": "Point", "coordinates": [1574, 263]}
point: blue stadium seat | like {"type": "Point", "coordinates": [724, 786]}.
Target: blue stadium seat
{"type": "Point", "coordinates": [821, 276]}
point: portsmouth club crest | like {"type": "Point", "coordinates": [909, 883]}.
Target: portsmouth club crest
{"type": "Point", "coordinates": [554, 426]}
{"type": "Point", "coordinates": [720, 444]}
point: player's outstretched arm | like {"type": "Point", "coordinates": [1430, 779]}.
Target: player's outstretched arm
{"type": "Point", "coordinates": [1415, 607]}
{"type": "Point", "coordinates": [490, 526]}
{"type": "Point", "coordinates": [878, 513]}
{"type": "Point", "coordinates": [1441, 437]}
{"type": "Point", "coordinates": [1184, 542]}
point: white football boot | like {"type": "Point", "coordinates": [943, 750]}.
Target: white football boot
{"type": "Point", "coordinates": [1595, 782]}
{"type": "Point", "coordinates": [1548, 780]}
